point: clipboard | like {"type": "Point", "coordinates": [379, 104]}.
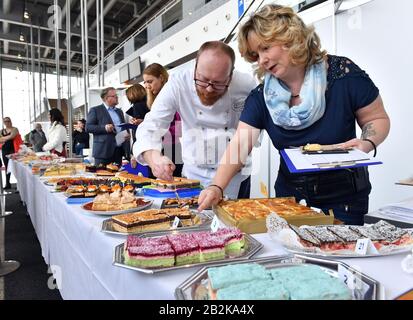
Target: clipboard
{"type": "Point", "coordinates": [126, 126]}
{"type": "Point", "coordinates": [297, 162]}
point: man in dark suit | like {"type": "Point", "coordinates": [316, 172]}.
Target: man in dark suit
{"type": "Point", "coordinates": [103, 122]}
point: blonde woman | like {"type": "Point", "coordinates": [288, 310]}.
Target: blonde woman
{"type": "Point", "coordinates": [8, 134]}
{"type": "Point", "coordinates": [306, 96]}
{"type": "Point", "coordinates": [155, 76]}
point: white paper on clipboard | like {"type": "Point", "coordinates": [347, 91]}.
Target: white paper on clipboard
{"type": "Point", "coordinates": [120, 137]}
{"type": "Point", "coordinates": [325, 161]}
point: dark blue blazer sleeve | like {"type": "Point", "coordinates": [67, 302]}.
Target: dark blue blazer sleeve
{"type": "Point", "coordinates": [94, 123]}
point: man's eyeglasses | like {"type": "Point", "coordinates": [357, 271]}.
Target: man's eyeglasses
{"type": "Point", "coordinates": [115, 96]}
{"type": "Point", "coordinates": [215, 86]}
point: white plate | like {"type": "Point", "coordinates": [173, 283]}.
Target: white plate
{"type": "Point", "coordinates": [111, 213]}
{"type": "Point", "coordinates": [387, 251]}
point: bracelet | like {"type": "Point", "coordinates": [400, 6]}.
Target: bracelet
{"type": "Point", "coordinates": [220, 189]}
{"type": "Point", "coordinates": [374, 146]}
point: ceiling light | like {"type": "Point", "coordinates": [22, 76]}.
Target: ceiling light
{"type": "Point", "coordinates": [19, 55]}
{"type": "Point", "coordinates": [26, 14]}
{"type": "Point", "coordinates": [21, 37]}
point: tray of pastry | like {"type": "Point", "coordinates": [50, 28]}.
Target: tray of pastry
{"type": "Point", "coordinates": [340, 241]}
{"type": "Point", "coordinates": [156, 221]}
{"type": "Point", "coordinates": [136, 179]}
{"type": "Point", "coordinates": [250, 215]}
{"type": "Point", "coordinates": [293, 277]}
{"type": "Point", "coordinates": [92, 190]}
{"type": "Point", "coordinates": [176, 183]}
{"type": "Point", "coordinates": [176, 250]}
{"type": "Point", "coordinates": [314, 148]}
{"type": "Point", "coordinates": [191, 202]}
{"type": "Point", "coordinates": [116, 203]}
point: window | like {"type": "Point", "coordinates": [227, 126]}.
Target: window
{"type": "Point", "coordinates": [172, 16]}
{"type": "Point", "coordinates": [141, 39]}
{"type": "Point", "coordinates": [135, 68]}
{"type": "Point", "coordinates": [124, 73]}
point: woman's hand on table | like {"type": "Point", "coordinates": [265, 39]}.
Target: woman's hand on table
{"type": "Point", "coordinates": [208, 197]}
{"type": "Point", "coordinates": [360, 144]}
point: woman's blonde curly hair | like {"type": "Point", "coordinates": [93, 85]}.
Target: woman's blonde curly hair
{"type": "Point", "coordinates": [275, 24]}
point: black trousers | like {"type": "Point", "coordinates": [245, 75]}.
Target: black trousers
{"type": "Point", "coordinates": [244, 189]}
{"type": "Point", "coordinates": [346, 192]}
{"type": "Point", "coordinates": [6, 164]}
{"type": "Point", "coordinates": [116, 158]}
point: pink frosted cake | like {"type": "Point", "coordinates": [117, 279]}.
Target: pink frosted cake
{"type": "Point", "coordinates": [234, 240]}
{"type": "Point", "coordinates": [210, 247]}
{"type": "Point", "coordinates": [183, 248]}
{"type": "Point", "coordinates": [186, 249]}
{"type": "Point", "coordinates": [149, 253]}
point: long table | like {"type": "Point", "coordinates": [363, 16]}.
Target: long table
{"type": "Point", "coordinates": [81, 256]}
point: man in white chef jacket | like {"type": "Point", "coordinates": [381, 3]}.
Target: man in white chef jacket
{"type": "Point", "coordinates": [209, 99]}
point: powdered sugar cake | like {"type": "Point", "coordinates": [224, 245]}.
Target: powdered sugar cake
{"type": "Point", "coordinates": [342, 239]}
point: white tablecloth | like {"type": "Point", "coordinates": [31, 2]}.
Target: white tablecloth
{"type": "Point", "coordinates": [81, 255]}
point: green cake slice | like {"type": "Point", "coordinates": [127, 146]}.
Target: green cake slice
{"type": "Point", "coordinates": [258, 290]}
{"type": "Point", "coordinates": [221, 277]}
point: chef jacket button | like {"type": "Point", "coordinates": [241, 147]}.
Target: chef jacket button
{"type": "Point", "coordinates": [226, 128]}
{"type": "Point", "coordinates": [200, 112]}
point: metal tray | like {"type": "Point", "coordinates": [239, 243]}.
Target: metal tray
{"type": "Point", "coordinates": [165, 206]}
{"type": "Point", "coordinates": [362, 286]}
{"type": "Point", "coordinates": [112, 213]}
{"type": "Point", "coordinates": [206, 220]}
{"type": "Point", "coordinates": [252, 246]}
{"type": "Point", "coordinates": [348, 254]}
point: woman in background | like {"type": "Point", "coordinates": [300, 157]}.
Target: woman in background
{"type": "Point", "coordinates": [7, 136]}
{"type": "Point", "coordinates": [57, 135]}
{"type": "Point", "coordinates": [155, 76]}
{"type": "Point", "coordinates": [136, 95]}
{"type": "Point", "coordinates": [80, 138]}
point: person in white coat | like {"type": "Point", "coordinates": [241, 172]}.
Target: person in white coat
{"type": "Point", "coordinates": [57, 134]}
{"type": "Point", "coordinates": [209, 99]}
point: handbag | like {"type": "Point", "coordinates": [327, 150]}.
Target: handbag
{"type": "Point", "coordinates": [17, 142]}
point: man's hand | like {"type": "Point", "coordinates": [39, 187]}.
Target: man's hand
{"type": "Point", "coordinates": [162, 167]}
{"type": "Point", "coordinates": [127, 137]}
{"type": "Point", "coordinates": [110, 128]}
{"type": "Point", "coordinates": [135, 121]}
{"type": "Point", "coordinates": [133, 162]}
{"type": "Point", "coordinates": [208, 197]}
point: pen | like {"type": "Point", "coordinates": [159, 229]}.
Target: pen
{"type": "Point", "coordinates": [335, 164]}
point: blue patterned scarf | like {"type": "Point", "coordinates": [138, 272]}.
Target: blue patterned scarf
{"type": "Point", "coordinates": [277, 98]}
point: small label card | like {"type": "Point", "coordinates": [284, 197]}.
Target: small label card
{"type": "Point", "coordinates": [176, 222]}
{"type": "Point", "coordinates": [352, 279]}
{"type": "Point", "coordinates": [215, 224]}
{"type": "Point", "coordinates": [365, 246]}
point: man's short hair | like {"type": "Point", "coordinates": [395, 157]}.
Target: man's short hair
{"type": "Point", "coordinates": [217, 45]}
{"type": "Point", "coordinates": [105, 92]}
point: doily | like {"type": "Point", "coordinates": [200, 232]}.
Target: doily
{"type": "Point", "coordinates": [407, 264]}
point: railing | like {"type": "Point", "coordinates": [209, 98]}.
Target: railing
{"type": "Point", "coordinates": [186, 20]}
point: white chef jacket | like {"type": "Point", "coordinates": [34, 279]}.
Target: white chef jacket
{"type": "Point", "coordinates": [206, 130]}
